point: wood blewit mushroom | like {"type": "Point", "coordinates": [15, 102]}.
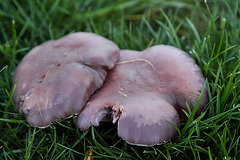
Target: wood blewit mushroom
{"type": "Point", "coordinates": [56, 78]}
{"type": "Point", "coordinates": [144, 92]}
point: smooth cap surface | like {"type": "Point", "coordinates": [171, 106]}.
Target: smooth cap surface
{"type": "Point", "coordinates": [144, 92]}
{"type": "Point", "coordinates": [56, 78]}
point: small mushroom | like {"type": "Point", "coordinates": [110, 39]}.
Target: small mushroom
{"type": "Point", "coordinates": [144, 92]}
{"type": "Point", "coordinates": [56, 78]}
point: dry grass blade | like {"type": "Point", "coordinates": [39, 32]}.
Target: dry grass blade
{"type": "Point", "coordinates": [136, 60]}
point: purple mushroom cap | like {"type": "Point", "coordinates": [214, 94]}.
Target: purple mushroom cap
{"type": "Point", "coordinates": [144, 92]}
{"type": "Point", "coordinates": [56, 78]}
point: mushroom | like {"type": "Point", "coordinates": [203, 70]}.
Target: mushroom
{"type": "Point", "coordinates": [145, 94]}
{"type": "Point", "coordinates": [56, 78]}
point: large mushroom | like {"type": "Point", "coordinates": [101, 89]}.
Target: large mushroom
{"type": "Point", "coordinates": [56, 78]}
{"type": "Point", "coordinates": [145, 94]}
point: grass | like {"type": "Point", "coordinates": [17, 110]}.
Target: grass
{"type": "Point", "coordinates": [209, 30]}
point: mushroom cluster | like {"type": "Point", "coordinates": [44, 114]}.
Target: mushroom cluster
{"type": "Point", "coordinates": [144, 92]}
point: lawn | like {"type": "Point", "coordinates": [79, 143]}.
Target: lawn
{"type": "Point", "coordinates": [208, 30]}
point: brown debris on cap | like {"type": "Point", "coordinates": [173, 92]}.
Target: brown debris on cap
{"type": "Point", "coordinates": [56, 78]}
{"type": "Point", "coordinates": [144, 92]}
